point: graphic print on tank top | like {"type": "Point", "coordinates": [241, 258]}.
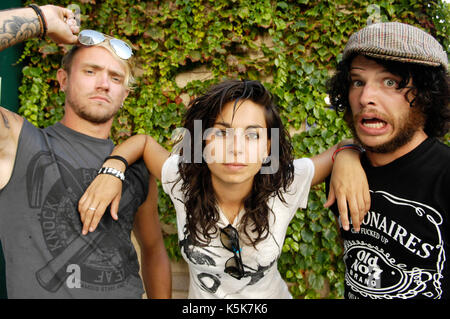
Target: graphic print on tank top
{"type": "Point", "coordinates": [395, 255]}
{"type": "Point", "coordinates": [103, 256]}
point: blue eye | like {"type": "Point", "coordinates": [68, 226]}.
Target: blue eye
{"type": "Point", "coordinates": [390, 83]}
{"type": "Point", "coordinates": [220, 133]}
{"type": "Point", "coordinates": [252, 135]}
{"type": "Point", "coordinates": [357, 83]}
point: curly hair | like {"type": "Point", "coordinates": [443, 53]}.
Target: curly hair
{"type": "Point", "coordinates": [199, 198]}
{"type": "Point", "coordinates": [430, 89]}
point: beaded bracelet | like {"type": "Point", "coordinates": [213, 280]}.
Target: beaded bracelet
{"type": "Point", "coordinates": [41, 18]}
{"type": "Point", "coordinates": [348, 146]}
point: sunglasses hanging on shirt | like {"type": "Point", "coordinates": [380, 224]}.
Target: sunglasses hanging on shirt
{"type": "Point", "coordinates": [229, 238]}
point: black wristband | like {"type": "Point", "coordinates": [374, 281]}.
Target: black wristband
{"type": "Point", "coordinates": [117, 157]}
{"type": "Point", "coordinates": [41, 18]}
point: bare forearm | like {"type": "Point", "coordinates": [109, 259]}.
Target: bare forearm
{"type": "Point", "coordinates": [323, 162]}
{"type": "Point", "coordinates": [144, 146]}
{"type": "Point", "coordinates": [155, 262]}
{"type": "Point", "coordinates": [157, 278]}
{"type": "Point", "coordinates": [132, 149]}
{"type": "Point", "coordinates": [323, 165]}
{"type": "Point", "coordinates": [18, 25]}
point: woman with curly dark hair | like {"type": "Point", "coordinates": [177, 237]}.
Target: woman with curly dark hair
{"type": "Point", "coordinates": [393, 86]}
{"type": "Point", "coordinates": [235, 186]}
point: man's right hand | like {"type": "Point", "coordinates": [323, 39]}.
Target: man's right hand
{"type": "Point", "coordinates": [61, 24]}
{"type": "Point", "coordinates": [17, 25]}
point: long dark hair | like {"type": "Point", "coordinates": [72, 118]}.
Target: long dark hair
{"type": "Point", "coordinates": [430, 89]}
{"type": "Point", "coordinates": [199, 197]}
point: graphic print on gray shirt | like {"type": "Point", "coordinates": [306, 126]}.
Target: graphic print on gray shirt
{"type": "Point", "coordinates": [46, 255]}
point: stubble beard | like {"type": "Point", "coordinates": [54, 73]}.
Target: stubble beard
{"type": "Point", "coordinates": [84, 113]}
{"type": "Point", "coordinates": [409, 125]}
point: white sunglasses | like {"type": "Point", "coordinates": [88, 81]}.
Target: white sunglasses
{"type": "Point", "coordinates": [92, 37]}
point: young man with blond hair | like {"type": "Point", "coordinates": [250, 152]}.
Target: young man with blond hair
{"type": "Point", "coordinates": [45, 172]}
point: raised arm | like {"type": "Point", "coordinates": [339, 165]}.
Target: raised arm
{"type": "Point", "coordinates": [348, 185]}
{"type": "Point", "coordinates": [18, 25]}
{"type": "Point", "coordinates": [10, 126]}
{"type": "Point", "coordinates": [106, 189]}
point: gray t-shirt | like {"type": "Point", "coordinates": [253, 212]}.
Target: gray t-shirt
{"type": "Point", "coordinates": [40, 229]}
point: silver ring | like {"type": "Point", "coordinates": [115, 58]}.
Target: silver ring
{"type": "Point", "coordinates": [92, 208]}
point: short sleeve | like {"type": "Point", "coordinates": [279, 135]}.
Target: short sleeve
{"type": "Point", "coordinates": [303, 175]}
{"type": "Point", "coordinates": [139, 175]}
{"type": "Point", "coordinates": [169, 173]}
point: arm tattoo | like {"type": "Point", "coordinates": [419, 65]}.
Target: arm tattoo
{"type": "Point", "coordinates": [17, 29]}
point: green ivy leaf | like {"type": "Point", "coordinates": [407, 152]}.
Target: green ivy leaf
{"type": "Point", "coordinates": [307, 235]}
{"type": "Point", "coordinates": [291, 45]}
{"type": "Point", "coordinates": [316, 281]}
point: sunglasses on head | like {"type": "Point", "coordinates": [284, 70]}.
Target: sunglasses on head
{"type": "Point", "coordinates": [229, 238]}
{"type": "Point", "coordinates": [92, 37]}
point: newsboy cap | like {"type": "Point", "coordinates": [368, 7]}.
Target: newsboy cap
{"type": "Point", "coordinates": [399, 42]}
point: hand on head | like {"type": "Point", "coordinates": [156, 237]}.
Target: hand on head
{"type": "Point", "coordinates": [61, 24]}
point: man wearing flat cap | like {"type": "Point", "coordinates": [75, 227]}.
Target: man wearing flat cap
{"type": "Point", "coordinates": [393, 87]}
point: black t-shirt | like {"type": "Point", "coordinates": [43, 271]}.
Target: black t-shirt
{"type": "Point", "coordinates": [402, 249]}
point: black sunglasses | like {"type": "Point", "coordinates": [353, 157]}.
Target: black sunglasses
{"type": "Point", "coordinates": [230, 240]}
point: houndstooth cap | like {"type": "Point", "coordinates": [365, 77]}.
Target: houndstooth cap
{"type": "Point", "coordinates": [399, 42]}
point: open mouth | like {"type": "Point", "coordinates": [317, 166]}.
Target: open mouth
{"type": "Point", "coordinates": [373, 123]}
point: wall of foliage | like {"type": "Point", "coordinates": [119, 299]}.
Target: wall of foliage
{"type": "Point", "coordinates": [175, 36]}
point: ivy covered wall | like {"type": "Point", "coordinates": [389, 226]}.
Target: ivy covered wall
{"type": "Point", "coordinates": [291, 46]}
